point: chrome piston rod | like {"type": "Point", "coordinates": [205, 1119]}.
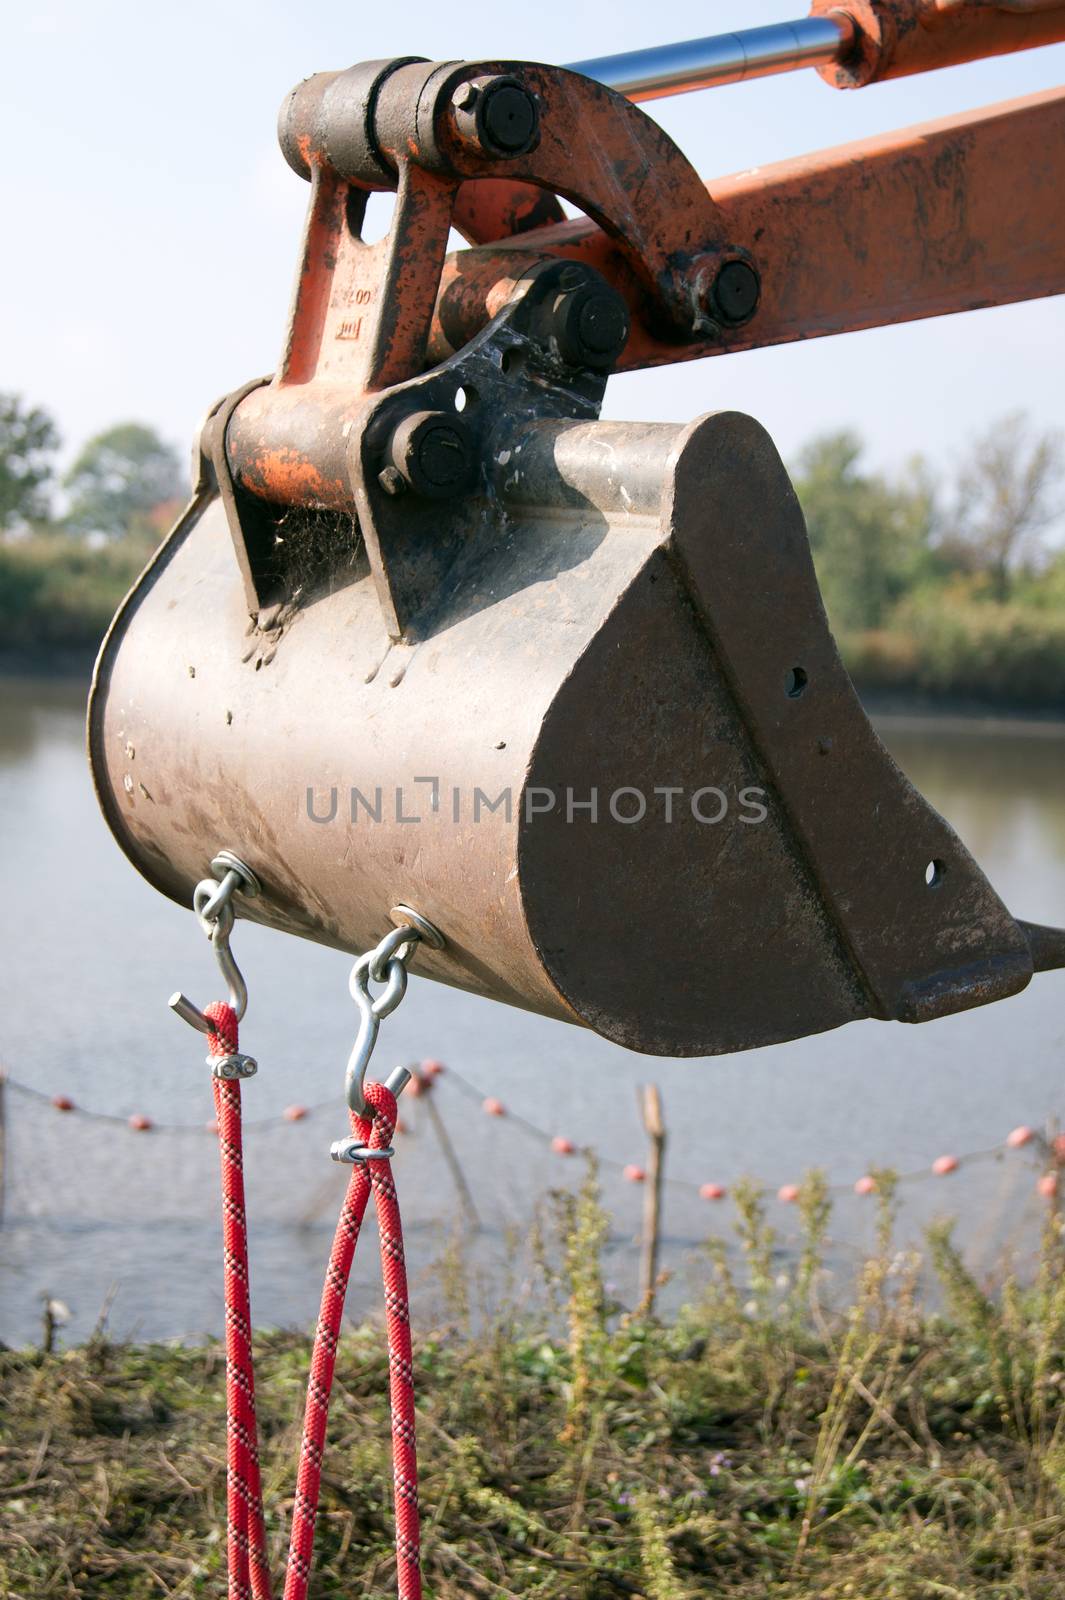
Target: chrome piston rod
{"type": "Point", "coordinates": [724, 58]}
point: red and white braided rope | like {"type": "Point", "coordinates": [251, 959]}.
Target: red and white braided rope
{"type": "Point", "coordinates": [249, 1574]}
{"type": "Point", "coordinates": [400, 1354]}
{"type": "Point", "coordinates": [376, 1132]}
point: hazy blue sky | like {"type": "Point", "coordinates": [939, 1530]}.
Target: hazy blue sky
{"type": "Point", "coordinates": [153, 224]}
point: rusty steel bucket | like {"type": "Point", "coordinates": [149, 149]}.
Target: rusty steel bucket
{"type": "Point", "coordinates": [623, 771]}
{"type": "Point", "coordinates": [434, 635]}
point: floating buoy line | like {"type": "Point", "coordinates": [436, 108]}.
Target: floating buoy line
{"type": "Point", "coordinates": [432, 1074]}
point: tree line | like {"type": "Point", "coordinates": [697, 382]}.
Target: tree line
{"type": "Point", "coordinates": [876, 537]}
{"type": "Point", "coordinates": [947, 579]}
{"type": "Point", "coordinates": [985, 530]}
{"type": "Point", "coordinates": [116, 481]}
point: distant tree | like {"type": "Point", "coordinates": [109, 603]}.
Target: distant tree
{"type": "Point", "coordinates": [870, 536]}
{"type": "Point", "coordinates": [1008, 495]}
{"type": "Point", "coordinates": [119, 477]}
{"type": "Point", "coordinates": [28, 442]}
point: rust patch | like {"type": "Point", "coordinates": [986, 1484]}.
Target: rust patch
{"type": "Point", "coordinates": [290, 478]}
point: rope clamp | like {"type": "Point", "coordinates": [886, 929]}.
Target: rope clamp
{"type": "Point", "coordinates": [233, 1065]}
{"type": "Point", "coordinates": [353, 1152]}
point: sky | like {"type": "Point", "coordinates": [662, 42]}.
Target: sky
{"type": "Point", "coordinates": [153, 224]}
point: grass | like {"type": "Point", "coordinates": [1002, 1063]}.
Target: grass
{"type": "Point", "coordinates": [761, 1444]}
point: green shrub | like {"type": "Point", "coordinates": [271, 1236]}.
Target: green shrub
{"type": "Point", "coordinates": [1010, 655]}
{"type": "Point", "coordinates": [60, 593]}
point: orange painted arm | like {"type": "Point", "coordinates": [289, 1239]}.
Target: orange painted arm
{"type": "Point", "coordinates": [948, 216]}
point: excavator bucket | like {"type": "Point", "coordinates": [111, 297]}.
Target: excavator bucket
{"type": "Point", "coordinates": [431, 635]}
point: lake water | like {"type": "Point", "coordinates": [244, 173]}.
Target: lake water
{"type": "Point", "coordinates": [89, 954]}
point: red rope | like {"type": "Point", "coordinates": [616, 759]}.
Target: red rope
{"type": "Point", "coordinates": [249, 1574]}
{"type": "Point", "coordinates": [400, 1355]}
{"type": "Point", "coordinates": [376, 1131]}
{"type": "Point", "coordinates": [320, 1382]}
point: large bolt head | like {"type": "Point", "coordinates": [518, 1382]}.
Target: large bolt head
{"type": "Point", "coordinates": [511, 117]}
{"type": "Point", "coordinates": [735, 291]}
{"type": "Point", "coordinates": [590, 322]}
{"type": "Point", "coordinates": [434, 454]}
{"type": "Point", "coordinates": [465, 97]}
{"type": "Point", "coordinates": [499, 116]}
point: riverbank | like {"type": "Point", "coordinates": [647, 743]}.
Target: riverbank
{"type": "Point", "coordinates": [58, 594]}
{"type": "Point", "coordinates": [1002, 657]}
{"type": "Point", "coordinates": [760, 1444]}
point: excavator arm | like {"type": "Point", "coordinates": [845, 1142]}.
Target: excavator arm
{"type": "Point", "coordinates": [953, 215]}
{"type": "Point", "coordinates": [944, 217]}
{"type": "Point", "coordinates": [415, 557]}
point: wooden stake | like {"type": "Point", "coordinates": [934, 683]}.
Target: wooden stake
{"type": "Point", "coordinates": [49, 1323]}
{"type": "Point", "coordinates": [651, 1112]}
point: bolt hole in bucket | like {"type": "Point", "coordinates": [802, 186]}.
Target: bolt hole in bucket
{"type": "Point", "coordinates": [795, 683]}
{"type": "Point", "coordinates": [934, 873]}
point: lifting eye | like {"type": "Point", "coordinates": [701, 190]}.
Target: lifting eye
{"type": "Point", "coordinates": [934, 873]}
{"type": "Point", "coordinates": [794, 683]}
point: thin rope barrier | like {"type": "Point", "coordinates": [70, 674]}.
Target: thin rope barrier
{"type": "Point", "coordinates": [866, 1184]}
{"type": "Point", "coordinates": [431, 1072]}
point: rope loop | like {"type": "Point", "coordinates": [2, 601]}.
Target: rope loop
{"type": "Point", "coordinates": [372, 1133]}
{"type": "Point", "coordinates": [372, 1109]}
{"type": "Point", "coordinates": [223, 1037]}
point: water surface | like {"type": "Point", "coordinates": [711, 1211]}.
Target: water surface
{"type": "Point", "coordinates": [89, 954]}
